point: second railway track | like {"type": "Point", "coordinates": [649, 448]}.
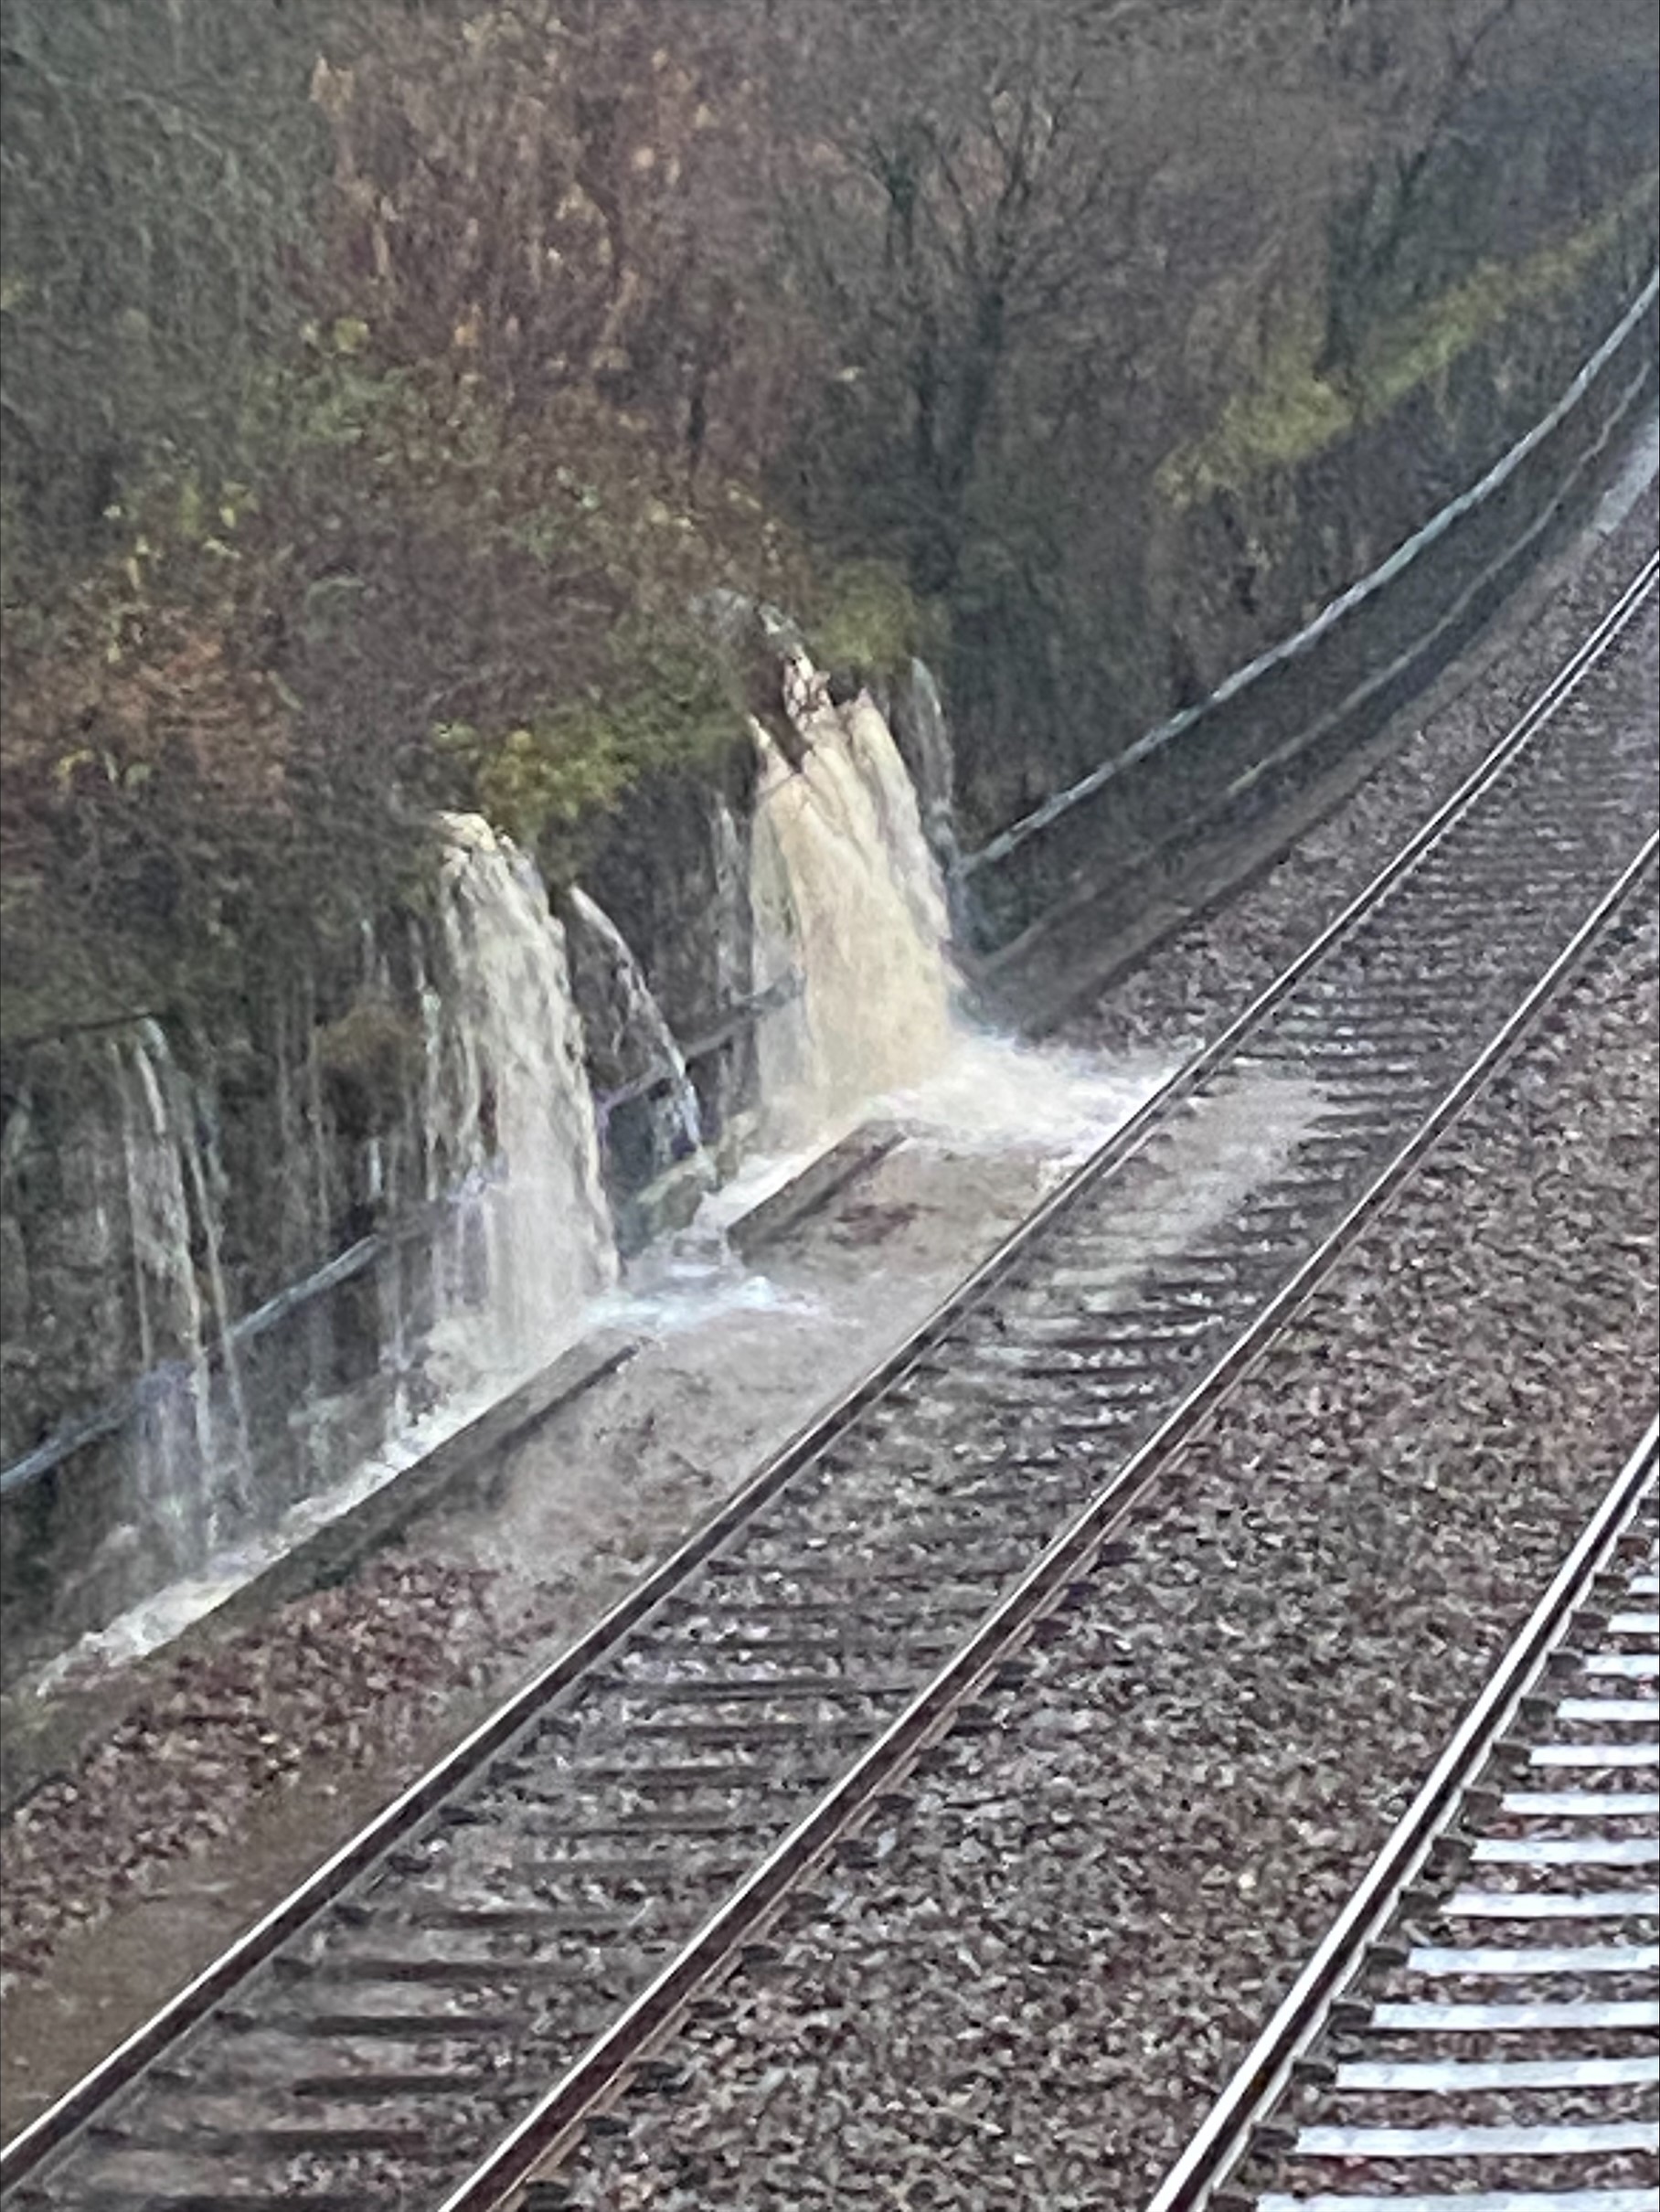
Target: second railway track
{"type": "Point", "coordinates": [1479, 2028]}
{"type": "Point", "coordinates": [521, 1918]}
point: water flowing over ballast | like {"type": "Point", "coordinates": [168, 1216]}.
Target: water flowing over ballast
{"type": "Point", "coordinates": [432, 1183]}
{"type": "Point", "coordinates": [508, 1135]}
{"type": "Point", "coordinates": [845, 891]}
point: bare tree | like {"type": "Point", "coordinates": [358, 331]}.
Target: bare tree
{"type": "Point", "coordinates": [954, 206]}
{"type": "Point", "coordinates": [1418, 90]}
{"type": "Point", "coordinates": [154, 167]}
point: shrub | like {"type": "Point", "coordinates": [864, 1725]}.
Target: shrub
{"type": "Point", "coordinates": [871, 621]}
{"type": "Point", "coordinates": [369, 1058]}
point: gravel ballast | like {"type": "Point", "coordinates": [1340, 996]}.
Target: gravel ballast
{"type": "Point", "coordinates": [1191, 985]}
{"type": "Point", "coordinates": [237, 1770]}
{"type": "Point", "coordinates": [1086, 1913]}
{"type": "Point", "coordinates": [223, 1728]}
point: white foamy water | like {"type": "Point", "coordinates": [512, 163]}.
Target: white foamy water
{"type": "Point", "coordinates": [156, 1619]}
{"type": "Point", "coordinates": [186, 1471]}
{"type": "Point", "coordinates": [990, 1094]}
{"type": "Point", "coordinates": [509, 1126]}
{"type": "Point", "coordinates": [693, 1279]}
{"type": "Point", "coordinates": [845, 890]}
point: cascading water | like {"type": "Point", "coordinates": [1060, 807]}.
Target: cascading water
{"type": "Point", "coordinates": [186, 1474]}
{"type": "Point", "coordinates": [463, 1227]}
{"type": "Point", "coordinates": [508, 1123]}
{"type": "Point", "coordinates": [638, 1043]}
{"type": "Point", "coordinates": [237, 1430]}
{"type": "Point", "coordinates": [845, 889]}
{"type": "Point", "coordinates": [919, 724]}
{"type": "Point", "coordinates": [845, 886]}
{"type": "Point", "coordinates": [731, 931]}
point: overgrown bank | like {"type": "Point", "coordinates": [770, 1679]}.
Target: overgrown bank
{"type": "Point", "coordinates": [510, 337]}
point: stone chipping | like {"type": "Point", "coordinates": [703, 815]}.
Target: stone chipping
{"type": "Point", "coordinates": [222, 1729]}
{"type": "Point", "coordinates": [222, 1741]}
{"type": "Point", "coordinates": [1191, 985]}
{"type": "Point", "coordinates": [1084, 1914]}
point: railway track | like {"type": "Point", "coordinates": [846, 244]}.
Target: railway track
{"type": "Point", "coordinates": [534, 1911]}
{"type": "Point", "coordinates": [1478, 2030]}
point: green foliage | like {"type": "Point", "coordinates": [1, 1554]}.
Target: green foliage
{"type": "Point", "coordinates": [1424, 343]}
{"type": "Point", "coordinates": [871, 621]}
{"type": "Point", "coordinates": [324, 399]}
{"type": "Point", "coordinates": [1292, 411]}
{"type": "Point", "coordinates": [668, 703]}
{"type": "Point", "coordinates": [228, 728]}
{"type": "Point", "coordinates": [538, 777]}
{"type": "Point", "coordinates": [383, 385]}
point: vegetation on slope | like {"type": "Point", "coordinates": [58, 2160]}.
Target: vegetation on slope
{"type": "Point", "coordinates": [388, 381]}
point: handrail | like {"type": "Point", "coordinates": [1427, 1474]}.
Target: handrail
{"type": "Point", "coordinates": [1154, 740]}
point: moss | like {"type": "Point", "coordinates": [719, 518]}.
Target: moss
{"type": "Point", "coordinates": [870, 620]}
{"type": "Point", "coordinates": [367, 1059]}
{"type": "Point", "coordinates": [500, 596]}
{"type": "Point", "coordinates": [1288, 415]}
{"type": "Point", "coordinates": [667, 701]}
{"type": "Point", "coordinates": [1292, 413]}
{"type": "Point", "coordinates": [1426, 342]}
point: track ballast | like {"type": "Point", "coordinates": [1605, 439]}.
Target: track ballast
{"type": "Point", "coordinates": [1477, 2033]}
{"type": "Point", "coordinates": [406, 2012]}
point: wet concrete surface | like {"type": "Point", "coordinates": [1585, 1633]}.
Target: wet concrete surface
{"type": "Point", "coordinates": [598, 1494]}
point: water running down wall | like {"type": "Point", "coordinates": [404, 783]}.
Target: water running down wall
{"type": "Point", "coordinates": [510, 1141]}
{"type": "Point", "coordinates": [488, 1179]}
{"type": "Point", "coordinates": [845, 889]}
{"type": "Point", "coordinates": [632, 1050]}
{"type": "Point", "coordinates": [497, 1238]}
{"type": "Point", "coordinates": [190, 1476]}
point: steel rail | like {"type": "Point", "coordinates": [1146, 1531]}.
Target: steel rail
{"type": "Point", "coordinates": [1225, 2137]}
{"type": "Point", "coordinates": [1306, 738]}
{"type": "Point", "coordinates": [551, 2128]}
{"type": "Point", "coordinates": [27, 2151]}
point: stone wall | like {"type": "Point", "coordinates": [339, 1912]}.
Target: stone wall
{"type": "Point", "coordinates": [1265, 729]}
{"type": "Point", "coordinates": [295, 1108]}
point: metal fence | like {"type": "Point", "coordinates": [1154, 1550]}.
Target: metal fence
{"type": "Point", "coordinates": [1111, 841]}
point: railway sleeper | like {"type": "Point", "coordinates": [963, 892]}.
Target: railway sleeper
{"type": "Point", "coordinates": [174, 2190]}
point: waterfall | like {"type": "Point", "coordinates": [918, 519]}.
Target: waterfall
{"type": "Point", "coordinates": [640, 1043]}
{"type": "Point", "coordinates": [187, 1473]}
{"type": "Point", "coordinates": [733, 974]}
{"type": "Point", "coordinates": [843, 887]}
{"type": "Point", "coordinates": [183, 1481]}
{"type": "Point", "coordinates": [919, 725]}
{"type": "Point", "coordinates": [449, 1242]}
{"type": "Point", "coordinates": [509, 1131]}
